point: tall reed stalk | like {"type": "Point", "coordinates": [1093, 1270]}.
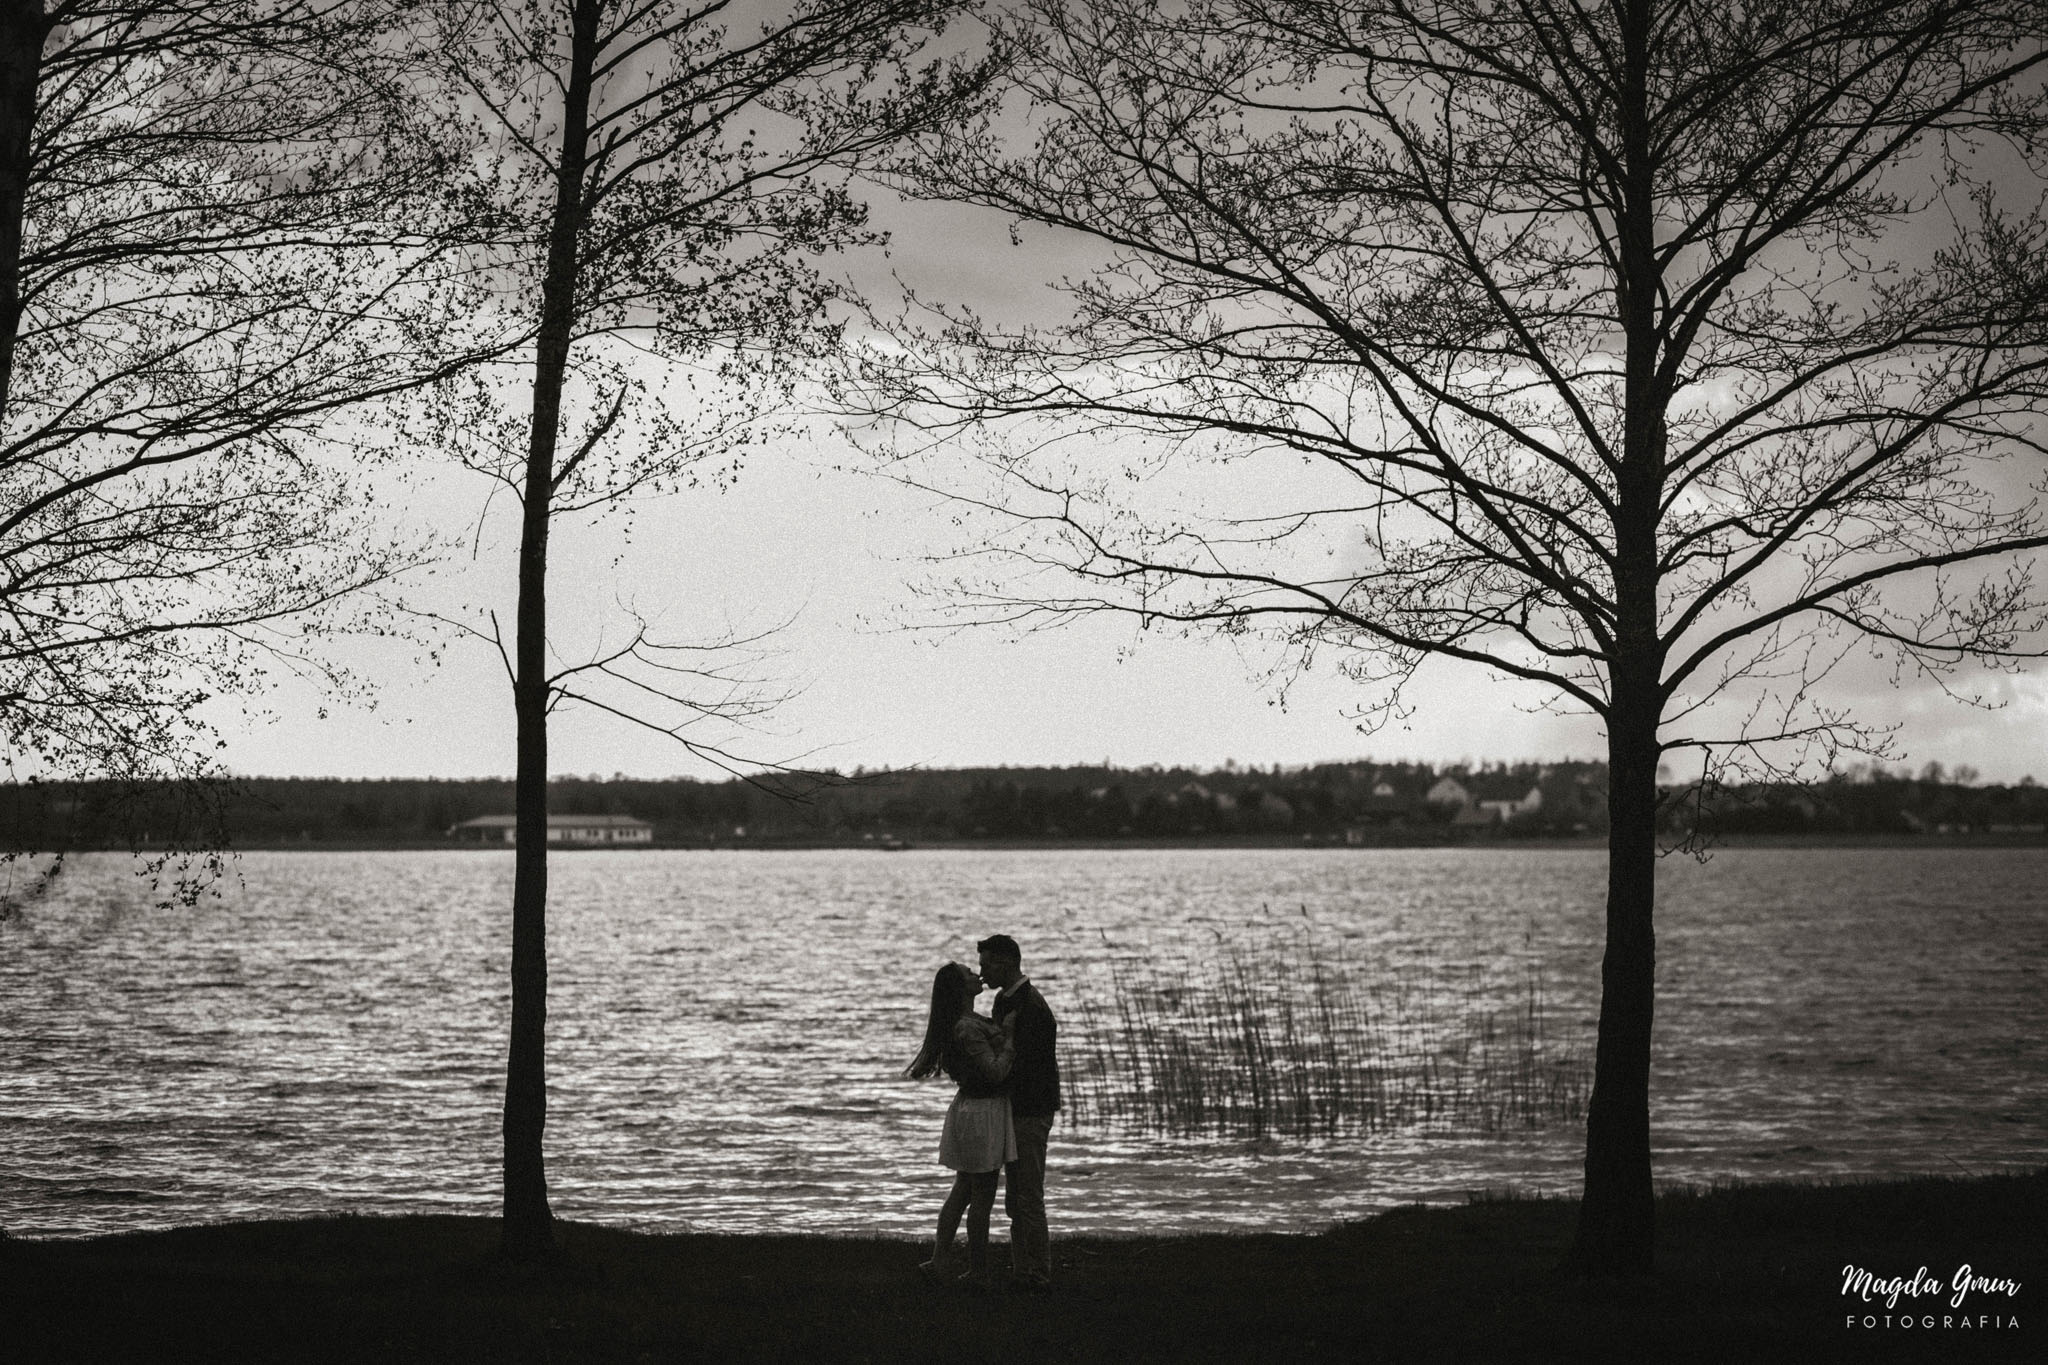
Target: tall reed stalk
{"type": "Point", "coordinates": [1288, 1040]}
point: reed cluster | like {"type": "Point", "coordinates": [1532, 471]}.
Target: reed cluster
{"type": "Point", "coordinates": [1292, 1040]}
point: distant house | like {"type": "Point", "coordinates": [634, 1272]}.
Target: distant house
{"type": "Point", "coordinates": [562, 829]}
{"type": "Point", "coordinates": [1448, 791]}
{"type": "Point", "coordinates": [1195, 791]}
{"type": "Point", "coordinates": [1488, 797]}
{"type": "Point", "coordinates": [1275, 810]}
{"type": "Point", "coordinates": [1508, 806]}
{"type": "Point", "coordinates": [1387, 804]}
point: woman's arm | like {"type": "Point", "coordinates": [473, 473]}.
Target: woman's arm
{"type": "Point", "coordinates": [987, 1051]}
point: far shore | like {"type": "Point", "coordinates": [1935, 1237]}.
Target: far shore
{"type": "Point", "coordinates": [1745, 1273]}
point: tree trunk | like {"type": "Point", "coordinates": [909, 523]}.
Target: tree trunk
{"type": "Point", "coordinates": [1617, 1214]}
{"type": "Point", "coordinates": [23, 30]}
{"type": "Point", "coordinates": [529, 1223]}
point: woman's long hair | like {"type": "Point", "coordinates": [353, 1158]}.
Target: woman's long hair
{"type": "Point", "coordinates": [952, 997]}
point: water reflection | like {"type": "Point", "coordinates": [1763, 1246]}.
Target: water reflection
{"type": "Point", "coordinates": [726, 1029]}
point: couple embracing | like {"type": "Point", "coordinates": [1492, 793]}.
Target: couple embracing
{"type": "Point", "coordinates": [1008, 1074]}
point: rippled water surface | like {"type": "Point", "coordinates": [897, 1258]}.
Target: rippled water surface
{"type": "Point", "coordinates": [726, 1029]}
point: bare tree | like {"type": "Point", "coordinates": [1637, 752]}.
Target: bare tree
{"type": "Point", "coordinates": [195, 277]}
{"type": "Point", "coordinates": [197, 274]}
{"type": "Point", "coordinates": [1654, 352]}
{"type": "Point", "coordinates": [663, 172]}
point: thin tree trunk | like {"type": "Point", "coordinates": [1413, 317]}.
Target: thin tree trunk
{"type": "Point", "coordinates": [23, 30]}
{"type": "Point", "coordinates": [1617, 1215]}
{"type": "Point", "coordinates": [529, 1223]}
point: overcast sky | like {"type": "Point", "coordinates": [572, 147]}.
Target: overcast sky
{"type": "Point", "coordinates": [836, 554]}
{"type": "Point", "coordinates": [808, 539]}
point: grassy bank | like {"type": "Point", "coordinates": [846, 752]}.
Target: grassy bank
{"type": "Point", "coordinates": [1751, 1273]}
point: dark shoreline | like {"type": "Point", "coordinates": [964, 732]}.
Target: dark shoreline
{"type": "Point", "coordinates": [1747, 1273]}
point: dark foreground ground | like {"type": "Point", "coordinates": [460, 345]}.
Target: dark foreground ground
{"type": "Point", "coordinates": [1745, 1274]}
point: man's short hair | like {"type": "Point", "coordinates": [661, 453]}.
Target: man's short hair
{"type": "Point", "coordinates": [1001, 945]}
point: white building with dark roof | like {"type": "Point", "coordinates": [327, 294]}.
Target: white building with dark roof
{"type": "Point", "coordinates": [585, 830]}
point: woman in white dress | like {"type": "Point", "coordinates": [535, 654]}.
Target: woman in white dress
{"type": "Point", "coordinates": [979, 1138]}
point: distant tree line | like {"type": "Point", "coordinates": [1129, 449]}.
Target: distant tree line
{"type": "Point", "coordinates": [1870, 800]}
{"type": "Point", "coordinates": [1358, 803]}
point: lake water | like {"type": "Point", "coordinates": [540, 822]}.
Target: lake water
{"type": "Point", "coordinates": [727, 1029]}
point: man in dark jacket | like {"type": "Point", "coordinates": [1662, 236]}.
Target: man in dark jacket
{"type": "Point", "coordinates": [1034, 1099]}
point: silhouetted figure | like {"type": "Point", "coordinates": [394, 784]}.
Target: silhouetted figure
{"type": "Point", "coordinates": [979, 1137]}
{"type": "Point", "coordinates": [1034, 1098]}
